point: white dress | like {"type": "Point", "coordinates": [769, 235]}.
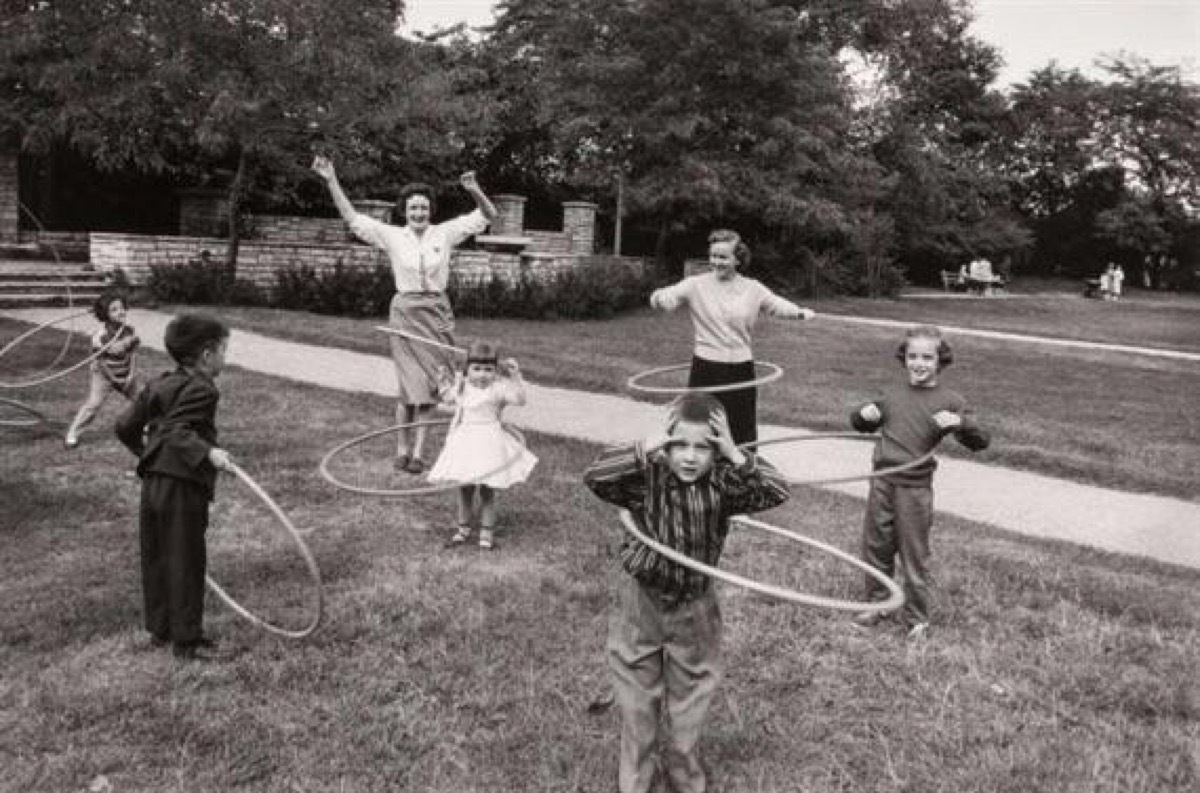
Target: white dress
{"type": "Point", "coordinates": [478, 449]}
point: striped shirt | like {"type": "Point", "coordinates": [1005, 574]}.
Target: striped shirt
{"type": "Point", "coordinates": [692, 518]}
{"type": "Point", "coordinates": [116, 363]}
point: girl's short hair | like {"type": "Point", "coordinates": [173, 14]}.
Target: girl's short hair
{"type": "Point", "coordinates": [944, 353]}
{"type": "Point", "coordinates": [481, 352]}
{"type": "Point", "coordinates": [741, 251]}
{"type": "Point", "coordinates": [189, 335]}
{"type": "Point", "coordinates": [100, 306]}
{"type": "Point", "coordinates": [410, 190]}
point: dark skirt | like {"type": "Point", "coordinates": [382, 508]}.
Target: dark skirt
{"type": "Point", "coordinates": [741, 405]}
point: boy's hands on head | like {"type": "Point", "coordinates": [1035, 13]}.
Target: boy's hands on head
{"type": "Point", "coordinates": [723, 438]}
{"type": "Point", "coordinates": [947, 420]}
{"type": "Point", "coordinates": [872, 413]}
{"type": "Point", "coordinates": [220, 459]}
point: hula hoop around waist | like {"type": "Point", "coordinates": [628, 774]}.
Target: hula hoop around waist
{"type": "Point", "coordinates": [412, 491]}
{"type": "Point", "coordinates": [895, 596]}
{"type": "Point", "coordinates": [838, 480]}
{"type": "Point", "coordinates": [634, 383]}
{"type": "Point", "coordinates": [310, 562]}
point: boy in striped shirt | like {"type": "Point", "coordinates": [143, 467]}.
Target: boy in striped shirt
{"type": "Point", "coordinates": [664, 641]}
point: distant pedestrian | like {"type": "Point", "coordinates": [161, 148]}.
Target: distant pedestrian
{"type": "Point", "coordinates": [1116, 281]}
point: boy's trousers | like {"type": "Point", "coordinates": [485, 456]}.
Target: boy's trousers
{"type": "Point", "coordinates": [660, 654]}
{"type": "Point", "coordinates": [173, 521]}
{"type": "Point", "coordinates": [898, 522]}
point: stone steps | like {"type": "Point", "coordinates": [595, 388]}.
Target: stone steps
{"type": "Point", "coordinates": [39, 282]}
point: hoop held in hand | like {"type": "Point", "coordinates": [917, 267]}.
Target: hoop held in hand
{"type": "Point", "coordinates": [310, 562]}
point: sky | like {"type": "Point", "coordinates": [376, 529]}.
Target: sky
{"type": "Point", "coordinates": [1029, 33]}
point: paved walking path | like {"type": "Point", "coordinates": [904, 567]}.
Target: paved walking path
{"type": "Point", "coordinates": [1157, 527]}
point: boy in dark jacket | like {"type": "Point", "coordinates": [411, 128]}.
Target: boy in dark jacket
{"type": "Point", "coordinates": [912, 418]}
{"type": "Point", "coordinates": [171, 427]}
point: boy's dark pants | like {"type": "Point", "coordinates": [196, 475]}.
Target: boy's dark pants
{"type": "Point", "coordinates": [898, 522]}
{"type": "Point", "coordinates": [173, 521]}
{"type": "Point", "coordinates": [659, 652]}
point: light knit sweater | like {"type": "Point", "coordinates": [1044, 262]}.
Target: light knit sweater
{"type": "Point", "coordinates": [723, 312]}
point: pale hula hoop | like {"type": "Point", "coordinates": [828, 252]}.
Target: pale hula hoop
{"type": "Point", "coordinates": [37, 417]}
{"type": "Point", "coordinates": [412, 491]}
{"type": "Point", "coordinates": [422, 339]}
{"type": "Point", "coordinates": [895, 596]}
{"type": "Point", "coordinates": [58, 375]}
{"type": "Point", "coordinates": [839, 480]}
{"type": "Point", "coordinates": [313, 571]}
{"type": "Point", "coordinates": [635, 383]}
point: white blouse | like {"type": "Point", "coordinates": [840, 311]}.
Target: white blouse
{"type": "Point", "coordinates": [419, 264]}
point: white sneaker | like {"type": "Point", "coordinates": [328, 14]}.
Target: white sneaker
{"type": "Point", "coordinates": [70, 442]}
{"type": "Point", "coordinates": [918, 632]}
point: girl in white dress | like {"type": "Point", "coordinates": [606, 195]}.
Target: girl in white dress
{"type": "Point", "coordinates": [480, 454]}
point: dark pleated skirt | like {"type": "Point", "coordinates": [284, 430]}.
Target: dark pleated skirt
{"type": "Point", "coordinates": [741, 405]}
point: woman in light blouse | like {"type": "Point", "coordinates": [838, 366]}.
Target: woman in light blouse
{"type": "Point", "coordinates": [419, 252]}
{"type": "Point", "coordinates": [724, 306]}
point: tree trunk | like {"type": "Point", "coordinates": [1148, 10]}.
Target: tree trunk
{"type": "Point", "coordinates": [236, 189]}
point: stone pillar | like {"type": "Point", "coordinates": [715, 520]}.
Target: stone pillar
{"type": "Point", "coordinates": [204, 212]}
{"type": "Point", "coordinates": [10, 192]}
{"type": "Point", "coordinates": [579, 223]}
{"type": "Point", "coordinates": [510, 215]}
{"type": "Point", "coordinates": [380, 210]}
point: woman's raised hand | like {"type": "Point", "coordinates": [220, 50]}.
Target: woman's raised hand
{"type": "Point", "coordinates": [323, 167]}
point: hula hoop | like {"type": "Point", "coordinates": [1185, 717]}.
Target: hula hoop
{"type": "Point", "coordinates": [37, 416]}
{"type": "Point", "coordinates": [313, 571]}
{"type": "Point", "coordinates": [58, 375]}
{"type": "Point", "coordinates": [635, 383]}
{"type": "Point", "coordinates": [838, 480]}
{"type": "Point", "coordinates": [895, 595]}
{"type": "Point", "coordinates": [423, 339]}
{"type": "Point", "coordinates": [411, 491]}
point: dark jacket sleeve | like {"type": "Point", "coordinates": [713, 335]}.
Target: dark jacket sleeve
{"type": "Point", "coordinates": [619, 476]}
{"type": "Point", "coordinates": [190, 414]}
{"type": "Point", "coordinates": [754, 486]}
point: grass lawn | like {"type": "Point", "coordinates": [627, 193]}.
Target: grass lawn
{"type": "Point", "coordinates": [1051, 668]}
{"type": "Point", "coordinates": [1112, 419]}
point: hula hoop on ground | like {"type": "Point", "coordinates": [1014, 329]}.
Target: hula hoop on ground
{"type": "Point", "coordinates": [634, 383]}
{"type": "Point", "coordinates": [411, 491]}
{"type": "Point", "coordinates": [37, 417]}
{"type": "Point", "coordinates": [61, 374]}
{"type": "Point", "coordinates": [839, 480]}
{"type": "Point", "coordinates": [422, 339]}
{"type": "Point", "coordinates": [309, 561]}
{"type": "Point", "coordinates": [895, 596]}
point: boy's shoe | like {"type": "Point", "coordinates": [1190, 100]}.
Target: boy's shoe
{"type": "Point", "coordinates": [918, 632]}
{"type": "Point", "coordinates": [460, 537]}
{"type": "Point", "coordinates": [487, 540]}
{"type": "Point", "coordinates": [400, 464]}
{"type": "Point", "coordinates": [200, 650]}
{"type": "Point", "coordinates": [415, 465]}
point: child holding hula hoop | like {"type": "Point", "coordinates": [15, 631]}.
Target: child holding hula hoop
{"type": "Point", "coordinates": [419, 252]}
{"type": "Point", "coordinates": [114, 369]}
{"type": "Point", "coordinates": [664, 638]}
{"type": "Point", "coordinates": [171, 427]}
{"type": "Point", "coordinates": [912, 417]}
{"type": "Point", "coordinates": [724, 306]}
{"type": "Point", "coordinates": [478, 452]}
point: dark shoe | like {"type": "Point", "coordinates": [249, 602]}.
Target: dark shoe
{"type": "Point", "coordinates": [198, 650]}
{"type": "Point", "coordinates": [602, 702]}
{"type": "Point", "coordinates": [415, 466]}
{"type": "Point", "coordinates": [400, 464]}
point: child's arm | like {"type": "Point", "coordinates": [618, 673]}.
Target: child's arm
{"type": "Point", "coordinates": [964, 427]}
{"type": "Point", "coordinates": [867, 417]}
{"type": "Point", "coordinates": [747, 484]}
{"type": "Point", "coordinates": [514, 394]}
{"type": "Point", "coordinates": [448, 385]}
{"type": "Point", "coordinates": [619, 475]}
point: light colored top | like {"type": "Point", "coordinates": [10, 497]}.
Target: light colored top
{"type": "Point", "coordinates": [419, 264]}
{"type": "Point", "coordinates": [723, 312]}
{"type": "Point", "coordinates": [483, 405]}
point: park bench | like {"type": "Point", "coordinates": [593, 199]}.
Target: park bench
{"type": "Point", "coordinates": [1091, 287]}
{"type": "Point", "coordinates": [952, 282]}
